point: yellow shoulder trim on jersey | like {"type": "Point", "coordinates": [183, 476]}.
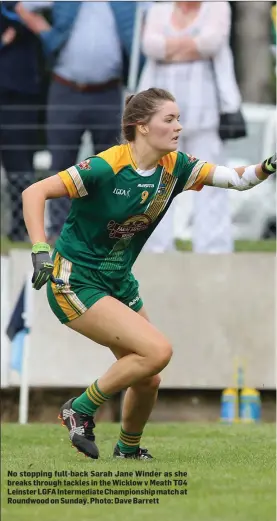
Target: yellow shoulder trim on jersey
{"type": "Point", "coordinates": [67, 180]}
{"type": "Point", "coordinates": [117, 157]}
{"type": "Point", "coordinates": [201, 177]}
{"type": "Point", "coordinates": [169, 161]}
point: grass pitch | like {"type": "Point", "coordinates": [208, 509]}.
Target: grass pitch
{"type": "Point", "coordinates": [231, 473]}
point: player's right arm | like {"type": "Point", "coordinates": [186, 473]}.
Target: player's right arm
{"type": "Point", "coordinates": [34, 198]}
{"type": "Point", "coordinates": [77, 181]}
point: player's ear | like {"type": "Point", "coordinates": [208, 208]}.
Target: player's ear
{"type": "Point", "coordinates": [143, 129]}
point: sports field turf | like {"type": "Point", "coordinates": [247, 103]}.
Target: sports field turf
{"type": "Point", "coordinates": [231, 473]}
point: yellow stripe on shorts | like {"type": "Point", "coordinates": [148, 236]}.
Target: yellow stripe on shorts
{"type": "Point", "coordinates": [66, 299]}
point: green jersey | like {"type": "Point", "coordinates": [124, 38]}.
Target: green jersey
{"type": "Point", "coordinates": [116, 207]}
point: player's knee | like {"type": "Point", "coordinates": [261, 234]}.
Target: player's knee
{"type": "Point", "coordinates": [162, 357]}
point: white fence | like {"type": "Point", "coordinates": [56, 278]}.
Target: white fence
{"type": "Point", "coordinates": [213, 308]}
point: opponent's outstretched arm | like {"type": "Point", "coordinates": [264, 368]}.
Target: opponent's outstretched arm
{"type": "Point", "coordinates": [241, 177]}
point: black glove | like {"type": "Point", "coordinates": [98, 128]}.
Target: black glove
{"type": "Point", "coordinates": [269, 165]}
{"type": "Point", "coordinates": [43, 264]}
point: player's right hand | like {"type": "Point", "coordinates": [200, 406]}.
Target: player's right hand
{"type": "Point", "coordinates": [43, 264]}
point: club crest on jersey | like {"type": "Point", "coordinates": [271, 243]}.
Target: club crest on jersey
{"type": "Point", "coordinates": [191, 158]}
{"type": "Point", "coordinates": [85, 165]}
{"type": "Point", "coordinates": [161, 189]}
{"type": "Point", "coordinates": [128, 228]}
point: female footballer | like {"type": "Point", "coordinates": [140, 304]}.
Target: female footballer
{"type": "Point", "coordinates": [119, 197]}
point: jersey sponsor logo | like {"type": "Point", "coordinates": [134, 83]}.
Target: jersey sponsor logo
{"type": "Point", "coordinates": [145, 186]}
{"type": "Point", "coordinates": [134, 301]}
{"type": "Point", "coordinates": [121, 191]}
{"type": "Point", "coordinates": [84, 165]}
{"type": "Point", "coordinates": [126, 230]}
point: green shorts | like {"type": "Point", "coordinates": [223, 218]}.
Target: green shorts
{"type": "Point", "coordinates": [83, 287]}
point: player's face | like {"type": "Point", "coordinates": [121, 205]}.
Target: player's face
{"type": "Point", "coordinates": [164, 127]}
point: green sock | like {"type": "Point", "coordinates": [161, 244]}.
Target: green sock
{"type": "Point", "coordinates": [90, 400]}
{"type": "Point", "coordinates": [129, 442]}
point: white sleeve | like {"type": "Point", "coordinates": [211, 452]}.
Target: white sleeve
{"type": "Point", "coordinates": [224, 177]}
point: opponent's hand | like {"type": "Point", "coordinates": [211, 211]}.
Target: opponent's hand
{"type": "Point", "coordinates": [43, 264]}
{"type": "Point", "coordinates": [269, 165]}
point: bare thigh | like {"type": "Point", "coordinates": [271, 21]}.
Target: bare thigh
{"type": "Point", "coordinates": [110, 323]}
{"type": "Point", "coordinates": [149, 381]}
{"type": "Point", "coordinates": [118, 351]}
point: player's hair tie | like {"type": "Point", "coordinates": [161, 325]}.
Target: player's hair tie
{"type": "Point", "coordinates": [128, 99]}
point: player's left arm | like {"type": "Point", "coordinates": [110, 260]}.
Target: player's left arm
{"type": "Point", "coordinates": [238, 178]}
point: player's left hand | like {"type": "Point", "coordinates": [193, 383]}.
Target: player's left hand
{"type": "Point", "coordinates": [269, 165]}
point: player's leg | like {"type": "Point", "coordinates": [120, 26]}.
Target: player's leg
{"type": "Point", "coordinates": [140, 398]}
{"type": "Point", "coordinates": [137, 406]}
{"type": "Point", "coordinates": [111, 323]}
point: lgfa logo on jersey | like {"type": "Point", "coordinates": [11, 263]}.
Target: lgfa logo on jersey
{"type": "Point", "coordinates": [121, 191]}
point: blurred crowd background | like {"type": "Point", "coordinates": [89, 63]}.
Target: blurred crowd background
{"type": "Point", "coordinates": [66, 68]}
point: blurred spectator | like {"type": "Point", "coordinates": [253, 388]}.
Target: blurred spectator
{"type": "Point", "coordinates": [19, 90]}
{"type": "Point", "coordinates": [182, 41]}
{"type": "Point", "coordinates": [89, 42]}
